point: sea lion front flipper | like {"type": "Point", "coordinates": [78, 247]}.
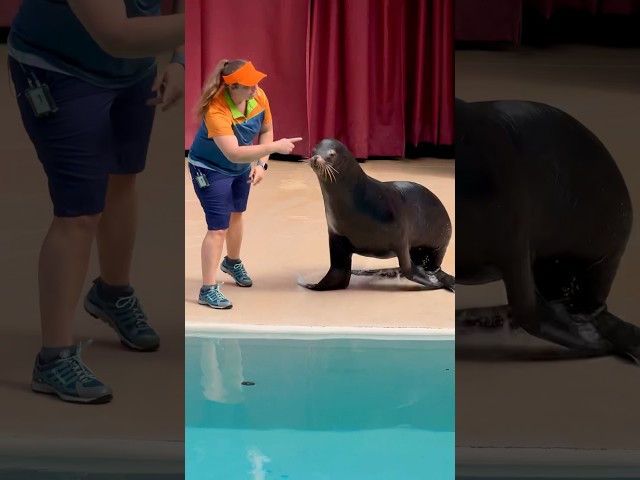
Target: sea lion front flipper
{"type": "Point", "coordinates": [339, 274]}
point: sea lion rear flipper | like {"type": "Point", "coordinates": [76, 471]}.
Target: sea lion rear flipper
{"type": "Point", "coordinates": [448, 281]}
{"type": "Point", "coordinates": [534, 314]}
{"type": "Point", "coordinates": [624, 336]}
{"type": "Point", "coordinates": [434, 280]}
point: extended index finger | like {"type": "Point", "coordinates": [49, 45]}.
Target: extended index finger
{"type": "Point", "coordinates": [296, 139]}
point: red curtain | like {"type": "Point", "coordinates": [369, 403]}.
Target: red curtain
{"type": "Point", "coordinates": [375, 74]}
{"type": "Point", "coordinates": [430, 72]}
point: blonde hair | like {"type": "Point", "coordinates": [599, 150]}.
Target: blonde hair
{"type": "Point", "coordinates": [215, 84]}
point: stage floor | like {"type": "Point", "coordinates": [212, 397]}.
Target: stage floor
{"type": "Point", "coordinates": [504, 399]}
{"type": "Point", "coordinates": [286, 239]}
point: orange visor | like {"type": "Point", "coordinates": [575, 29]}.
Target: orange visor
{"type": "Point", "coordinates": [246, 75]}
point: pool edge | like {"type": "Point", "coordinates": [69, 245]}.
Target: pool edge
{"type": "Point", "coordinates": [88, 455]}
{"type": "Point", "coordinates": [221, 330]}
{"type": "Point", "coordinates": [539, 462]}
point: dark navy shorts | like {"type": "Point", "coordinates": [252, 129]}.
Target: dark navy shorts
{"type": "Point", "coordinates": [224, 195]}
{"type": "Point", "coordinates": [95, 132]}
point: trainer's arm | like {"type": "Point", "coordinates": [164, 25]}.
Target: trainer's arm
{"type": "Point", "coordinates": [235, 153]}
{"type": "Point", "coordinates": [266, 136]}
{"type": "Point", "coordinates": [120, 36]}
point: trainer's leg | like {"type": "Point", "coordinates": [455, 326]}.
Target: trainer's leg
{"type": "Point", "coordinates": [216, 202]}
{"type": "Point", "coordinates": [234, 235]}
{"type": "Point", "coordinates": [131, 123]}
{"type": "Point", "coordinates": [117, 230]}
{"type": "Point", "coordinates": [62, 270]}
{"type": "Point", "coordinates": [71, 144]}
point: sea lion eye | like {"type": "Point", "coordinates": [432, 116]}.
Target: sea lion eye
{"type": "Point", "coordinates": [332, 153]}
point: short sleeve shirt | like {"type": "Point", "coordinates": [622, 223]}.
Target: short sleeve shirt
{"type": "Point", "coordinates": [224, 118]}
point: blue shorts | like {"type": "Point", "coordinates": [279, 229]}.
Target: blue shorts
{"type": "Point", "coordinates": [95, 132]}
{"type": "Point", "coordinates": [224, 195]}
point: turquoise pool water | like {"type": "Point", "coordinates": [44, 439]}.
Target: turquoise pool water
{"type": "Point", "coordinates": [344, 409]}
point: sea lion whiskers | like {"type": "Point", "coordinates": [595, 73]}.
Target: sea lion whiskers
{"type": "Point", "coordinates": [325, 169]}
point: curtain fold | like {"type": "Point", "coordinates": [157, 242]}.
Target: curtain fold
{"type": "Point", "coordinates": [356, 77]}
{"type": "Point", "coordinates": [429, 72]}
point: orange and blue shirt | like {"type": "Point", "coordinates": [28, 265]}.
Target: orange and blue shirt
{"type": "Point", "coordinates": [224, 118]}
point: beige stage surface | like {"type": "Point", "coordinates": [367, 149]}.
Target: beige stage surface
{"type": "Point", "coordinates": [148, 387]}
{"type": "Point", "coordinates": [286, 239]}
{"type": "Point", "coordinates": [503, 397]}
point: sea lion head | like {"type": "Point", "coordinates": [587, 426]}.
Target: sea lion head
{"type": "Point", "coordinates": [331, 159]}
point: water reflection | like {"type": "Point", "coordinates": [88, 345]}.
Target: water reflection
{"type": "Point", "coordinates": [221, 365]}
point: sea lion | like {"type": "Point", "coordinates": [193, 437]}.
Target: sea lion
{"type": "Point", "coordinates": [380, 220]}
{"type": "Point", "coordinates": [542, 206]}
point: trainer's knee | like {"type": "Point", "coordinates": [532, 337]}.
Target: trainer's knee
{"type": "Point", "coordinates": [79, 225]}
{"type": "Point", "coordinates": [217, 234]}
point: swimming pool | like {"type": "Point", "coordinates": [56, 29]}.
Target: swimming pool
{"type": "Point", "coordinates": [316, 409]}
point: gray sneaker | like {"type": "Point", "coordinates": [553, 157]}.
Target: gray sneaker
{"type": "Point", "coordinates": [126, 317]}
{"type": "Point", "coordinates": [69, 378]}
{"type": "Point", "coordinates": [214, 298]}
{"type": "Point", "coordinates": [238, 272]}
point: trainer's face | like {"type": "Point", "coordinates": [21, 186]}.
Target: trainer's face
{"type": "Point", "coordinates": [246, 93]}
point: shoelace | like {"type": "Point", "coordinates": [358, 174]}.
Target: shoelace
{"type": "Point", "coordinates": [214, 294]}
{"type": "Point", "coordinates": [239, 268]}
{"type": "Point", "coordinates": [74, 362]}
{"type": "Point", "coordinates": [131, 302]}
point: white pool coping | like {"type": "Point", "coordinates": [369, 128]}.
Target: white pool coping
{"type": "Point", "coordinates": [87, 455]}
{"type": "Point", "coordinates": [227, 330]}
{"type": "Point", "coordinates": [555, 463]}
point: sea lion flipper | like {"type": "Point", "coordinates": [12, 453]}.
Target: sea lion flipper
{"type": "Point", "coordinates": [339, 274]}
{"type": "Point", "coordinates": [433, 280]}
{"type": "Point", "coordinates": [534, 314]}
{"type": "Point", "coordinates": [624, 336]}
{"type": "Point", "coordinates": [333, 280]}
